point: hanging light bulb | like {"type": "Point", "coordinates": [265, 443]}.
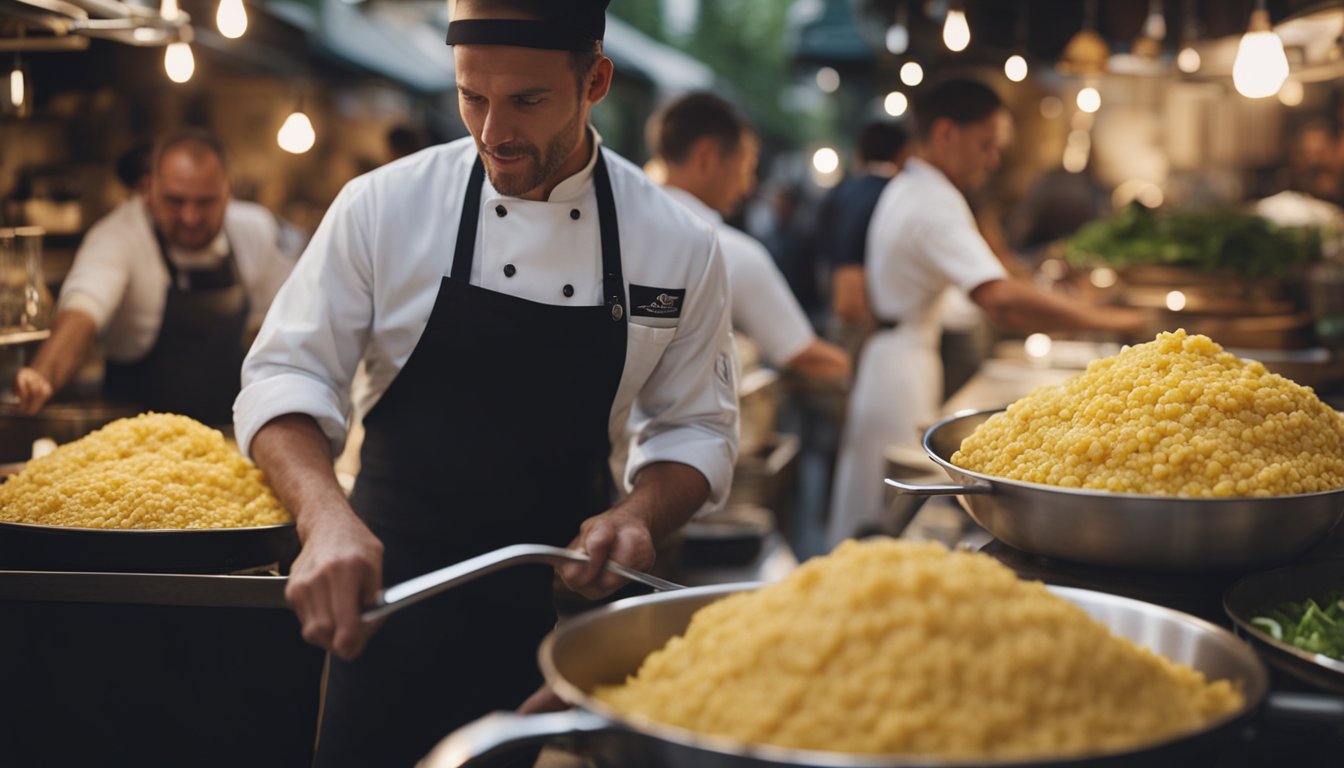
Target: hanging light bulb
{"type": "Point", "coordinates": [20, 101]}
{"type": "Point", "coordinates": [179, 63]}
{"type": "Point", "coordinates": [1155, 26]}
{"type": "Point", "coordinates": [1261, 65]}
{"type": "Point", "coordinates": [895, 103]}
{"type": "Point", "coordinates": [911, 73]}
{"type": "Point", "coordinates": [1188, 60]}
{"type": "Point", "coordinates": [231, 18]}
{"type": "Point", "coordinates": [1292, 93]}
{"type": "Point", "coordinates": [898, 34]}
{"type": "Point", "coordinates": [956, 32]}
{"type": "Point", "coordinates": [1089, 99]}
{"type": "Point", "coordinates": [1015, 66]}
{"type": "Point", "coordinates": [296, 136]}
{"type": "Point", "coordinates": [169, 10]}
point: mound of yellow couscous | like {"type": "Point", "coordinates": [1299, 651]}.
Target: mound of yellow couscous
{"type": "Point", "coordinates": [152, 471]}
{"type": "Point", "coordinates": [1177, 416]}
{"type": "Point", "coordinates": [894, 647]}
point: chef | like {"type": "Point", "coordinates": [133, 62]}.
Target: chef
{"type": "Point", "coordinates": [516, 297]}
{"type": "Point", "coordinates": [173, 283]}
{"type": "Point", "coordinates": [922, 240]}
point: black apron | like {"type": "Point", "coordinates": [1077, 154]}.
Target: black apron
{"type": "Point", "coordinates": [493, 433]}
{"type": "Point", "coordinates": [195, 364]}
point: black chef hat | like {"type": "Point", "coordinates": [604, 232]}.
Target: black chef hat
{"type": "Point", "coordinates": [562, 25]}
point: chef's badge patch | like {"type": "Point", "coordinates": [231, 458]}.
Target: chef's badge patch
{"type": "Point", "coordinates": [656, 302]}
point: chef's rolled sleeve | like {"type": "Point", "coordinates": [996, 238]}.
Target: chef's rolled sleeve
{"type": "Point", "coordinates": [280, 394]}
{"type": "Point", "coordinates": [687, 410]}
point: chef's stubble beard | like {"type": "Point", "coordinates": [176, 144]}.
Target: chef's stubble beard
{"type": "Point", "coordinates": [546, 163]}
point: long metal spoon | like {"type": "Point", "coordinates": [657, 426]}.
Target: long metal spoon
{"type": "Point", "coordinates": [414, 590]}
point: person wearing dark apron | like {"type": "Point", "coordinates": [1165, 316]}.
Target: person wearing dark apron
{"type": "Point", "coordinates": [193, 366]}
{"type": "Point", "coordinates": [519, 467]}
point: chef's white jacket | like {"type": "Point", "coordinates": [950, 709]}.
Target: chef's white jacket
{"type": "Point", "coordinates": [119, 279]}
{"type": "Point", "coordinates": [923, 241]}
{"type": "Point", "coordinates": [365, 286]}
{"type": "Point", "coordinates": [763, 307]}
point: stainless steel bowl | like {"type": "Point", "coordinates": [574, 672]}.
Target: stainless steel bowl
{"type": "Point", "coordinates": [1128, 530]}
{"type": "Point", "coordinates": [603, 646]}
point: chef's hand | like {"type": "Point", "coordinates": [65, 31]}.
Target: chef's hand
{"type": "Point", "coordinates": [543, 700]}
{"type": "Point", "coordinates": [33, 390]}
{"type": "Point", "coordinates": [337, 573]}
{"type": "Point", "coordinates": [613, 535]}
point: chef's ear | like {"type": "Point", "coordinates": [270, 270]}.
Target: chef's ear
{"type": "Point", "coordinates": [598, 82]}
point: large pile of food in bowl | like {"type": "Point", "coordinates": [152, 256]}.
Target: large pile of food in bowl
{"type": "Point", "coordinates": [152, 471]}
{"type": "Point", "coordinates": [893, 647]}
{"type": "Point", "coordinates": [1177, 416]}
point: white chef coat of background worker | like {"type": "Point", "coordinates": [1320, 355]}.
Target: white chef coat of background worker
{"type": "Point", "coordinates": [763, 306]}
{"type": "Point", "coordinates": [366, 285]}
{"type": "Point", "coordinates": [922, 240]}
{"type": "Point", "coordinates": [118, 277]}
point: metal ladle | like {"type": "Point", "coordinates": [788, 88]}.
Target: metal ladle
{"type": "Point", "coordinates": [412, 591]}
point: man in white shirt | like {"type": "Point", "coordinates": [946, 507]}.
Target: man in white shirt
{"type": "Point", "coordinates": [923, 239]}
{"type": "Point", "coordinates": [709, 154]}
{"type": "Point", "coordinates": [173, 283]}
{"type": "Point", "coordinates": [518, 298]}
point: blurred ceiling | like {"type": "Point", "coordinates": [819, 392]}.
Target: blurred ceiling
{"type": "Point", "coordinates": [1039, 29]}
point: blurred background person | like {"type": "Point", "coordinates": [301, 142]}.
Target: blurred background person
{"type": "Point", "coordinates": [842, 227]}
{"type": "Point", "coordinates": [923, 240]}
{"type": "Point", "coordinates": [708, 153]}
{"type": "Point", "coordinates": [174, 284]}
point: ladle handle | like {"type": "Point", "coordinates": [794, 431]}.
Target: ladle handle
{"type": "Point", "coordinates": [414, 590]}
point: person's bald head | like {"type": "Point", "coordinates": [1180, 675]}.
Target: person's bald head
{"type": "Point", "coordinates": [189, 188]}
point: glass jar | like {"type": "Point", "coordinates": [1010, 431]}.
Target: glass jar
{"type": "Point", "coordinates": [25, 300]}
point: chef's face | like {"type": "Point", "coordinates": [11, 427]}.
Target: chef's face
{"type": "Point", "coordinates": [974, 150]}
{"type": "Point", "coordinates": [737, 174]}
{"type": "Point", "coordinates": [188, 193]}
{"type": "Point", "coordinates": [527, 110]}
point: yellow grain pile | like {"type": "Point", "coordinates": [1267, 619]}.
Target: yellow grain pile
{"type": "Point", "coordinates": [895, 647]}
{"type": "Point", "coordinates": [152, 471]}
{"type": "Point", "coordinates": [1177, 416]}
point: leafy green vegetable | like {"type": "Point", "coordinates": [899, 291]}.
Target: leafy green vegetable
{"type": "Point", "coordinates": [1311, 626]}
{"type": "Point", "coordinates": [1217, 240]}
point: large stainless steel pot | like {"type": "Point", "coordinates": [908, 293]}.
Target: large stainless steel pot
{"type": "Point", "coordinates": [1128, 530]}
{"type": "Point", "coordinates": [607, 644]}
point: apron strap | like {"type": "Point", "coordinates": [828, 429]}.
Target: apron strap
{"type": "Point", "coordinates": [466, 227]}
{"type": "Point", "coordinates": [613, 282]}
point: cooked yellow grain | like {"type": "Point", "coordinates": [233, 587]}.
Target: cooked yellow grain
{"type": "Point", "coordinates": [1177, 416]}
{"type": "Point", "coordinates": [894, 647]}
{"type": "Point", "coordinates": [155, 470]}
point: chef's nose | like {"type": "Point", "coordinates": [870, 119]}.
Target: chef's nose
{"type": "Point", "coordinates": [496, 129]}
{"type": "Point", "coordinates": [190, 214]}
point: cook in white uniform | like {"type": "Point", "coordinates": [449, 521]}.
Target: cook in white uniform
{"type": "Point", "coordinates": [709, 154]}
{"type": "Point", "coordinates": [922, 240]}
{"type": "Point", "coordinates": [517, 298]}
{"type": "Point", "coordinates": [173, 283]}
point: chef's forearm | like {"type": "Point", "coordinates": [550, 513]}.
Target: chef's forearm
{"type": "Point", "coordinates": [665, 495]}
{"type": "Point", "coordinates": [296, 457]}
{"type": "Point", "coordinates": [63, 352]}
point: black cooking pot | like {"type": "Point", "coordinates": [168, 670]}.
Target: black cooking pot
{"type": "Point", "coordinates": [25, 547]}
